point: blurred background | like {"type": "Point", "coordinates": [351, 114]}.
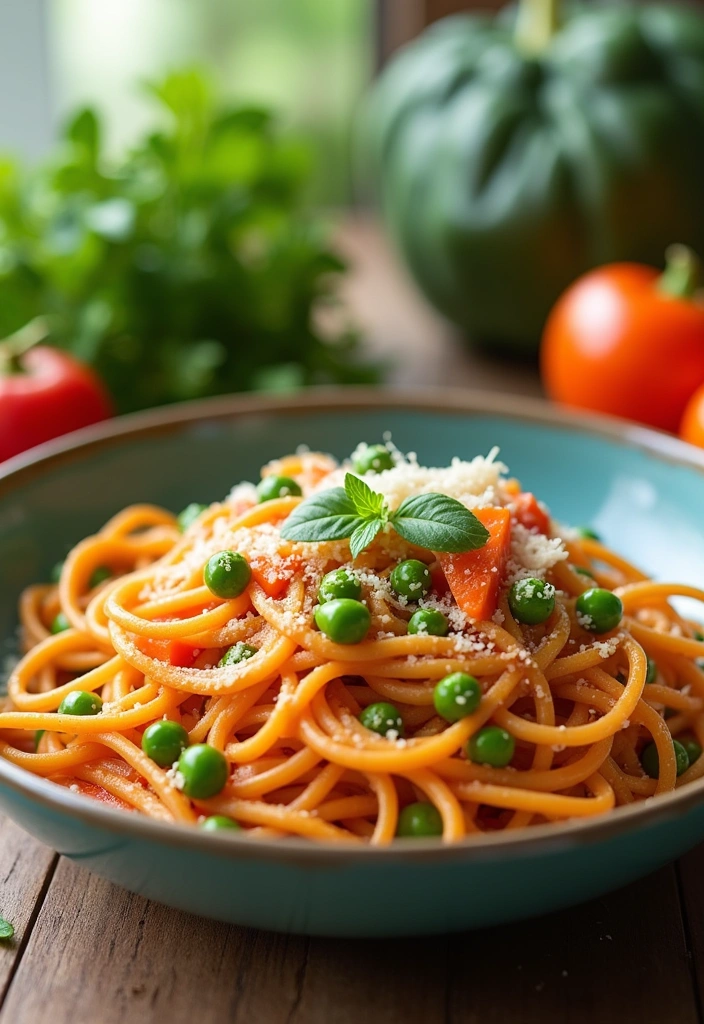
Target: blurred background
{"type": "Point", "coordinates": [263, 194]}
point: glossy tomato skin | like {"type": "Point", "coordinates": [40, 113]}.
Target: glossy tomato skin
{"type": "Point", "coordinates": [692, 427]}
{"type": "Point", "coordinates": [53, 396]}
{"type": "Point", "coordinates": [616, 344]}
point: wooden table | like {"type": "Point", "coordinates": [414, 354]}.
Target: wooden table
{"type": "Point", "coordinates": [89, 953]}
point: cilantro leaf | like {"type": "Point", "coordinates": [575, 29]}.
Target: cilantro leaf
{"type": "Point", "coordinates": [367, 502]}
{"type": "Point", "coordinates": [440, 523]}
{"type": "Point", "coordinates": [329, 515]}
{"type": "Point", "coordinates": [365, 534]}
{"type": "Point", "coordinates": [7, 930]}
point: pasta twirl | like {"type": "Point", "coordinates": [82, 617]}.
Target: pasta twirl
{"type": "Point", "coordinates": [345, 699]}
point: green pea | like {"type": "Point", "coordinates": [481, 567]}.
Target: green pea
{"type": "Point", "coordinates": [652, 671]}
{"type": "Point", "coordinates": [164, 742]}
{"type": "Point", "coordinates": [373, 458]}
{"type": "Point", "coordinates": [457, 696]}
{"type": "Point", "coordinates": [586, 533]}
{"type": "Point", "coordinates": [531, 601]}
{"type": "Point", "coordinates": [417, 821]}
{"type": "Point", "coordinates": [60, 623]}
{"type": "Point", "coordinates": [80, 702]}
{"type": "Point", "coordinates": [55, 574]}
{"type": "Point", "coordinates": [343, 621]}
{"type": "Point", "coordinates": [584, 572]}
{"type": "Point", "coordinates": [219, 823]}
{"type": "Point", "coordinates": [428, 622]}
{"type": "Point", "coordinates": [411, 579]}
{"type": "Point", "coordinates": [278, 487]}
{"type": "Point", "coordinates": [337, 584]}
{"type": "Point", "coordinates": [598, 610]}
{"type": "Point", "coordinates": [188, 516]}
{"type": "Point", "coordinates": [382, 718]}
{"type": "Point", "coordinates": [227, 574]}
{"type": "Point", "coordinates": [651, 762]}
{"type": "Point", "coordinates": [99, 576]}
{"type": "Point", "coordinates": [694, 750]}
{"type": "Point", "coordinates": [492, 745]}
{"type": "Point", "coordinates": [237, 653]}
{"type": "Point", "coordinates": [204, 771]}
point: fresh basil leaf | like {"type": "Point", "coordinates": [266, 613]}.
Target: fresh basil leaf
{"type": "Point", "coordinates": [367, 502]}
{"type": "Point", "coordinates": [7, 930]}
{"type": "Point", "coordinates": [439, 523]}
{"type": "Point", "coordinates": [329, 515]}
{"type": "Point", "coordinates": [364, 535]}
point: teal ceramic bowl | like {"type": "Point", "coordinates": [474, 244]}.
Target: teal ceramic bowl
{"type": "Point", "coordinates": [643, 491]}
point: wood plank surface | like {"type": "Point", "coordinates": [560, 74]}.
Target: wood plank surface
{"type": "Point", "coordinates": [26, 869]}
{"type": "Point", "coordinates": [100, 955]}
{"type": "Point", "coordinates": [90, 953]}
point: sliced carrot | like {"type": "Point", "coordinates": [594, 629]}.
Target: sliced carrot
{"type": "Point", "coordinates": [475, 577]}
{"type": "Point", "coordinates": [528, 513]}
{"type": "Point", "coordinates": [274, 579]}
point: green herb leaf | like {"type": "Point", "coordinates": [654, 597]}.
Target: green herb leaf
{"type": "Point", "coordinates": [7, 930]}
{"type": "Point", "coordinates": [367, 502]}
{"type": "Point", "coordinates": [329, 515]}
{"type": "Point", "coordinates": [439, 523]}
{"type": "Point", "coordinates": [364, 535]}
{"type": "Point", "coordinates": [154, 265]}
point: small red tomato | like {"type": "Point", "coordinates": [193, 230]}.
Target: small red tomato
{"type": "Point", "coordinates": [45, 393]}
{"type": "Point", "coordinates": [692, 426]}
{"type": "Point", "coordinates": [628, 341]}
{"type": "Point", "coordinates": [527, 511]}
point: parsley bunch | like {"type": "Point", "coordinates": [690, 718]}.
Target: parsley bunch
{"type": "Point", "coordinates": [187, 268]}
{"type": "Point", "coordinates": [432, 521]}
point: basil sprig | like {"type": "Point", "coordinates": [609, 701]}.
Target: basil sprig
{"type": "Point", "coordinates": [432, 521]}
{"type": "Point", "coordinates": [6, 930]}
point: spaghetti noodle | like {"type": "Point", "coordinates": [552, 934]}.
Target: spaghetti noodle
{"type": "Point", "coordinates": [435, 722]}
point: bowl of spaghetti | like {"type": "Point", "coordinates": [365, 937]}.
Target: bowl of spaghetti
{"type": "Point", "coordinates": [262, 657]}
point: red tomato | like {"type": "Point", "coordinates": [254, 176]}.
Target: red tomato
{"type": "Point", "coordinates": [440, 585]}
{"type": "Point", "coordinates": [628, 341]}
{"type": "Point", "coordinates": [173, 652]}
{"type": "Point", "coordinates": [528, 513]}
{"type": "Point", "coordinates": [692, 426]}
{"type": "Point", "coordinates": [100, 794]}
{"type": "Point", "coordinates": [50, 395]}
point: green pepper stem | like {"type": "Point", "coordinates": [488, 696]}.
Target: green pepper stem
{"type": "Point", "coordinates": [14, 347]}
{"type": "Point", "coordinates": [683, 275]}
{"type": "Point", "coordinates": [536, 24]}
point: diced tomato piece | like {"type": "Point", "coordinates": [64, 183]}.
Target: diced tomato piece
{"type": "Point", "coordinates": [100, 794]}
{"type": "Point", "coordinates": [192, 705]}
{"type": "Point", "coordinates": [175, 652]}
{"type": "Point", "coordinates": [475, 577]}
{"type": "Point", "coordinates": [529, 513]}
{"type": "Point", "coordinates": [440, 584]}
{"type": "Point", "coordinates": [271, 579]}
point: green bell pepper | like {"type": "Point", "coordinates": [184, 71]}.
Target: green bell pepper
{"type": "Point", "coordinates": [512, 155]}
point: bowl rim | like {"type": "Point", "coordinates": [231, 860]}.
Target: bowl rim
{"type": "Point", "coordinates": [537, 840]}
